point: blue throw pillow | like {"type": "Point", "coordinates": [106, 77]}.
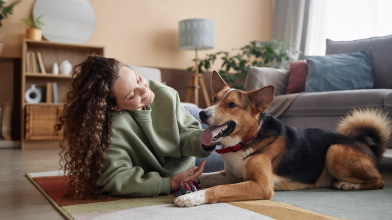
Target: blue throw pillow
{"type": "Point", "coordinates": [344, 71]}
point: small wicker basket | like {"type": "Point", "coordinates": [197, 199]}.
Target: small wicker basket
{"type": "Point", "coordinates": [40, 122]}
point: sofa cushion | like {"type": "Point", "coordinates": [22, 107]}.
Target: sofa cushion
{"type": "Point", "coordinates": [379, 49]}
{"type": "Point", "coordinates": [339, 72]}
{"type": "Point", "coordinates": [297, 76]}
{"type": "Point", "coordinates": [149, 73]}
{"type": "Point", "coordinates": [259, 77]}
{"type": "Point", "coordinates": [335, 103]}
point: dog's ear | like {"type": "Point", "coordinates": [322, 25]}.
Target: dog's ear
{"type": "Point", "coordinates": [217, 83]}
{"type": "Point", "coordinates": [262, 98]}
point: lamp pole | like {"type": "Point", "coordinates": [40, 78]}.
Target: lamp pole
{"type": "Point", "coordinates": [197, 34]}
{"type": "Point", "coordinates": [197, 83]}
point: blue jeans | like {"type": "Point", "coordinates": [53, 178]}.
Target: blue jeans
{"type": "Point", "coordinates": [214, 162]}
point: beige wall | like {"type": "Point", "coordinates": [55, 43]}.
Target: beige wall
{"type": "Point", "coordinates": [145, 32]}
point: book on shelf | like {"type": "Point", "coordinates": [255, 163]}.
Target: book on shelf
{"type": "Point", "coordinates": [33, 58]}
{"type": "Point", "coordinates": [52, 92]}
{"type": "Point", "coordinates": [49, 92]}
{"type": "Point", "coordinates": [55, 93]}
{"type": "Point", "coordinates": [41, 63]}
{"type": "Point", "coordinates": [28, 64]}
{"type": "Point", "coordinates": [35, 62]}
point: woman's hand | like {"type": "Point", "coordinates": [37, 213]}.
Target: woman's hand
{"type": "Point", "coordinates": [187, 176]}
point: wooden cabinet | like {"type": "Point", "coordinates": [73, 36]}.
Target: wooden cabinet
{"type": "Point", "coordinates": [38, 119]}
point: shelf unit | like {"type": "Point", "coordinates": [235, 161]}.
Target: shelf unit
{"type": "Point", "coordinates": [37, 120]}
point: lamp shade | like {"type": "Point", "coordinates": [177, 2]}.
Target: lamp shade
{"type": "Point", "coordinates": [196, 34]}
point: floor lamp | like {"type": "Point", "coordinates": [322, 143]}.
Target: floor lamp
{"type": "Point", "coordinates": [197, 34]}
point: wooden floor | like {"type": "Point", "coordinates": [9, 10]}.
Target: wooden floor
{"type": "Point", "coordinates": [19, 199]}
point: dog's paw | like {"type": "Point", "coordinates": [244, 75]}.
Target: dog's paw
{"type": "Point", "coordinates": [346, 185]}
{"type": "Point", "coordinates": [191, 199]}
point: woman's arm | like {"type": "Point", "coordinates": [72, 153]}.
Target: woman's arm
{"type": "Point", "coordinates": [190, 132]}
{"type": "Point", "coordinates": [121, 178]}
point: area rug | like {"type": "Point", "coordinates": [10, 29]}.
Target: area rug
{"type": "Point", "coordinates": [53, 186]}
{"type": "Point", "coordinates": [355, 205]}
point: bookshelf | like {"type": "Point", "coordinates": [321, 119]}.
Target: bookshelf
{"type": "Point", "coordinates": [38, 116]}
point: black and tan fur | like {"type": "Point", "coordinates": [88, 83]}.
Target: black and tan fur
{"type": "Point", "coordinates": [280, 157]}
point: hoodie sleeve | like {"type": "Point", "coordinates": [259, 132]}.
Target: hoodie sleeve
{"type": "Point", "coordinates": [190, 132]}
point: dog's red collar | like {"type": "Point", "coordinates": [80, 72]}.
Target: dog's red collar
{"type": "Point", "coordinates": [235, 148]}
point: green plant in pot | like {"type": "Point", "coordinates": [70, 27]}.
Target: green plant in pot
{"type": "Point", "coordinates": [5, 11]}
{"type": "Point", "coordinates": [34, 32]}
{"type": "Point", "coordinates": [235, 65]}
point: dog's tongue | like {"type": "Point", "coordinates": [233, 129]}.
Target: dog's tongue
{"type": "Point", "coordinates": [209, 134]}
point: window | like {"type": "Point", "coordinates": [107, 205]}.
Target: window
{"type": "Point", "coordinates": [346, 20]}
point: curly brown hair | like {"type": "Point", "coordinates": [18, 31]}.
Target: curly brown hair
{"type": "Point", "coordinates": [87, 123]}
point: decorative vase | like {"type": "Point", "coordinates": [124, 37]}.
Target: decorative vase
{"type": "Point", "coordinates": [34, 34]}
{"type": "Point", "coordinates": [33, 95]}
{"type": "Point", "coordinates": [65, 67]}
{"type": "Point", "coordinates": [55, 69]}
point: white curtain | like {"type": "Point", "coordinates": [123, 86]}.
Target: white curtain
{"type": "Point", "coordinates": [346, 20]}
{"type": "Point", "coordinates": [308, 23]}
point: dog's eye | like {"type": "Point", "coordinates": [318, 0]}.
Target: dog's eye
{"type": "Point", "coordinates": [232, 105]}
{"type": "Point", "coordinates": [214, 99]}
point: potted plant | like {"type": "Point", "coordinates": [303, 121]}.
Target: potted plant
{"type": "Point", "coordinates": [5, 11]}
{"type": "Point", "coordinates": [35, 30]}
{"type": "Point", "coordinates": [234, 66]}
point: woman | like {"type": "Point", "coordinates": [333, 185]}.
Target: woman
{"type": "Point", "coordinates": [124, 136]}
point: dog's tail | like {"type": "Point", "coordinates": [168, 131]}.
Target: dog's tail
{"type": "Point", "coordinates": [371, 126]}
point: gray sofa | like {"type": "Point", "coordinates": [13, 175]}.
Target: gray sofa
{"type": "Point", "coordinates": [324, 109]}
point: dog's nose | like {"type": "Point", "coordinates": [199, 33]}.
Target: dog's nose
{"type": "Point", "coordinates": [204, 115]}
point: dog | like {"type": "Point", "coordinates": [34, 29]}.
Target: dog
{"type": "Point", "coordinates": [262, 154]}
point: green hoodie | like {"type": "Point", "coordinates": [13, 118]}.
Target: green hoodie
{"type": "Point", "coordinates": [151, 146]}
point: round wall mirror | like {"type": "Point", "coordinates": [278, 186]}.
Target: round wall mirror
{"type": "Point", "coordinates": [67, 21]}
